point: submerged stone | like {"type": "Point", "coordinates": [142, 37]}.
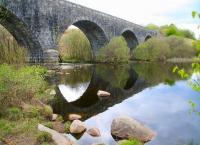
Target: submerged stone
{"type": "Point", "coordinates": [129, 128]}
{"type": "Point", "coordinates": [101, 93]}
{"type": "Point", "coordinates": [95, 132]}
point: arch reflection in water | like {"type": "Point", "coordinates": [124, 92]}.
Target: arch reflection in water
{"type": "Point", "coordinates": [120, 81]}
{"type": "Point", "coordinates": [73, 94]}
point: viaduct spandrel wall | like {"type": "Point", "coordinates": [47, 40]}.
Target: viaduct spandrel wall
{"type": "Point", "coordinates": [38, 25]}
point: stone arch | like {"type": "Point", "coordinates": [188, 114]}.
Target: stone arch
{"type": "Point", "coordinates": [94, 33]}
{"type": "Point", "coordinates": [21, 33]}
{"type": "Point", "coordinates": [130, 38]}
{"type": "Point", "coordinates": [148, 37]}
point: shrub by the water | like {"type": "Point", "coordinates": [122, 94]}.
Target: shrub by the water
{"type": "Point", "coordinates": [74, 46]}
{"type": "Point", "coordinates": [163, 48]}
{"type": "Point", "coordinates": [116, 50]}
{"type": "Point", "coordinates": [10, 51]}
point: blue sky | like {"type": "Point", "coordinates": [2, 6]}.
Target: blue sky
{"type": "Point", "coordinates": [143, 12]}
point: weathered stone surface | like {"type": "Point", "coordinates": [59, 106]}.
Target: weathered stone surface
{"type": "Point", "coordinates": [127, 128]}
{"type": "Point", "coordinates": [73, 117]}
{"type": "Point", "coordinates": [57, 137]}
{"type": "Point", "coordinates": [54, 117]}
{"type": "Point", "coordinates": [101, 93]}
{"type": "Point", "coordinates": [77, 127]}
{"type": "Point", "coordinates": [95, 132]}
{"type": "Point", "coordinates": [37, 25]}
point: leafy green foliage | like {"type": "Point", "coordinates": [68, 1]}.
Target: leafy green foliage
{"type": "Point", "coordinates": [172, 30]}
{"type": "Point", "coordinates": [163, 48]}
{"type": "Point", "coordinates": [194, 82]}
{"type": "Point", "coordinates": [17, 85]}
{"type": "Point", "coordinates": [74, 46]}
{"type": "Point", "coordinates": [115, 51]}
{"type": "Point", "coordinates": [10, 51]}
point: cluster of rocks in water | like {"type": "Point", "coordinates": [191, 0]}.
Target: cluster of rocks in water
{"type": "Point", "coordinates": [122, 128]}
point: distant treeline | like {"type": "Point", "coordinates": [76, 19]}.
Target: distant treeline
{"type": "Point", "coordinates": [172, 30]}
{"type": "Point", "coordinates": [172, 42]}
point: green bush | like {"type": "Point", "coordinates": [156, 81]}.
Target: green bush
{"type": "Point", "coordinates": [10, 51]}
{"type": "Point", "coordinates": [153, 49]}
{"type": "Point", "coordinates": [163, 48]}
{"type": "Point", "coordinates": [17, 85]}
{"type": "Point", "coordinates": [14, 114]}
{"type": "Point", "coordinates": [131, 142]}
{"type": "Point", "coordinates": [116, 50]}
{"type": "Point", "coordinates": [74, 46]}
{"type": "Point", "coordinates": [44, 137]}
{"type": "Point", "coordinates": [181, 48]}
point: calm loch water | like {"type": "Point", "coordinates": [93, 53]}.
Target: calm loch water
{"type": "Point", "coordinates": [144, 91]}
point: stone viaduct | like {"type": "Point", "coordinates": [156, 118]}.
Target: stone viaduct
{"type": "Point", "coordinates": [38, 25]}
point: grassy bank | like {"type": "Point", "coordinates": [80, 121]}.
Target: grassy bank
{"type": "Point", "coordinates": [164, 48]}
{"type": "Point", "coordinates": [23, 104]}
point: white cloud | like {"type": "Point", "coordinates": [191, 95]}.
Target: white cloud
{"type": "Point", "coordinates": [143, 12]}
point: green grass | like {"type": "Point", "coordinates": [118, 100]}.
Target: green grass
{"type": "Point", "coordinates": [19, 85]}
{"type": "Point", "coordinates": [131, 142]}
{"type": "Point", "coordinates": [14, 114]}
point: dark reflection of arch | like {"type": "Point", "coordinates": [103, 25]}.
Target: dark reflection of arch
{"type": "Point", "coordinates": [131, 39]}
{"type": "Point", "coordinates": [93, 32]}
{"type": "Point", "coordinates": [148, 37]}
{"type": "Point", "coordinates": [90, 104]}
{"type": "Point", "coordinates": [132, 79]}
{"type": "Point", "coordinates": [20, 32]}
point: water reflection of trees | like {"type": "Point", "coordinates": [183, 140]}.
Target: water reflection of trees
{"type": "Point", "coordinates": [76, 76]}
{"type": "Point", "coordinates": [117, 75]}
{"type": "Point", "coordinates": [122, 81]}
{"type": "Point", "coordinates": [155, 73]}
